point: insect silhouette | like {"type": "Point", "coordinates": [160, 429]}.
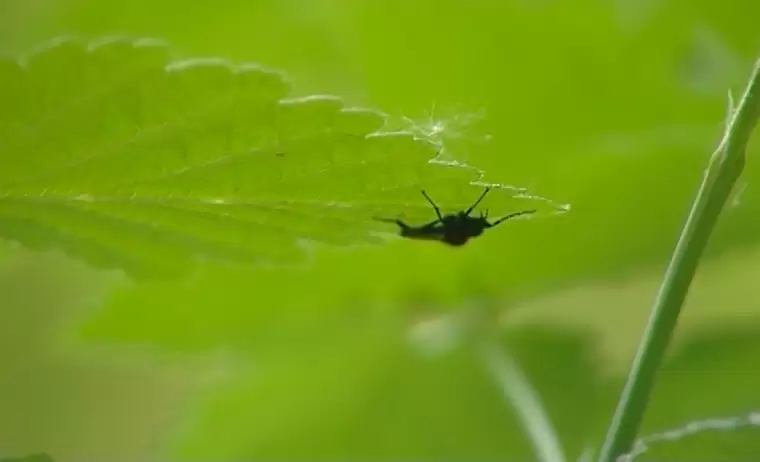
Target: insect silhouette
{"type": "Point", "coordinates": [454, 229]}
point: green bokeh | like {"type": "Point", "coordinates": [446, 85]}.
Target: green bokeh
{"type": "Point", "coordinates": [612, 107]}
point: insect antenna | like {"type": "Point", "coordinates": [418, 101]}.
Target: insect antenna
{"type": "Point", "coordinates": [472, 207]}
{"type": "Point", "coordinates": [511, 215]}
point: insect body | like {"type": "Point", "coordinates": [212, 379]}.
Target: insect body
{"type": "Point", "coordinates": [454, 229]}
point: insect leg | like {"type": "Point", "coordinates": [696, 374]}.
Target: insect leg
{"type": "Point", "coordinates": [398, 222]}
{"type": "Point", "coordinates": [472, 207]}
{"type": "Point", "coordinates": [511, 215]}
{"type": "Point", "coordinates": [429, 231]}
{"type": "Point", "coordinates": [435, 207]}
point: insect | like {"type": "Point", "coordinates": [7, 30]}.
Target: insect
{"type": "Point", "coordinates": [453, 229]}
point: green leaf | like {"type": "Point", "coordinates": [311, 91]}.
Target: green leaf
{"type": "Point", "coordinates": [367, 395]}
{"type": "Point", "coordinates": [41, 457]}
{"type": "Point", "coordinates": [127, 158]}
{"type": "Point", "coordinates": [55, 394]}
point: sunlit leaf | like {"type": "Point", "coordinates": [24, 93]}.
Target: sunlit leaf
{"type": "Point", "coordinates": [128, 158]}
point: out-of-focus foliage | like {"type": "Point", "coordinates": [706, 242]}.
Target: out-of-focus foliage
{"type": "Point", "coordinates": [610, 106]}
{"type": "Point", "coordinates": [42, 457]}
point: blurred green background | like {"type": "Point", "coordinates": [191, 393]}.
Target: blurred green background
{"type": "Point", "coordinates": [612, 106]}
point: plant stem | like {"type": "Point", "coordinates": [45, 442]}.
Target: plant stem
{"type": "Point", "coordinates": [526, 402]}
{"type": "Point", "coordinates": [724, 168]}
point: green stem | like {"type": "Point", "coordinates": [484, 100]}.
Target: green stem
{"type": "Point", "coordinates": [525, 400]}
{"type": "Point", "coordinates": [724, 169]}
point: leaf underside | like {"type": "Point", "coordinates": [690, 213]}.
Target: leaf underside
{"type": "Point", "coordinates": [122, 156]}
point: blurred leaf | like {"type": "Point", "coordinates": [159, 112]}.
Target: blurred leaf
{"type": "Point", "coordinates": [41, 457]}
{"type": "Point", "coordinates": [54, 395]}
{"type": "Point", "coordinates": [121, 157]}
{"type": "Point", "coordinates": [610, 105]}
{"type": "Point", "coordinates": [368, 395]}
